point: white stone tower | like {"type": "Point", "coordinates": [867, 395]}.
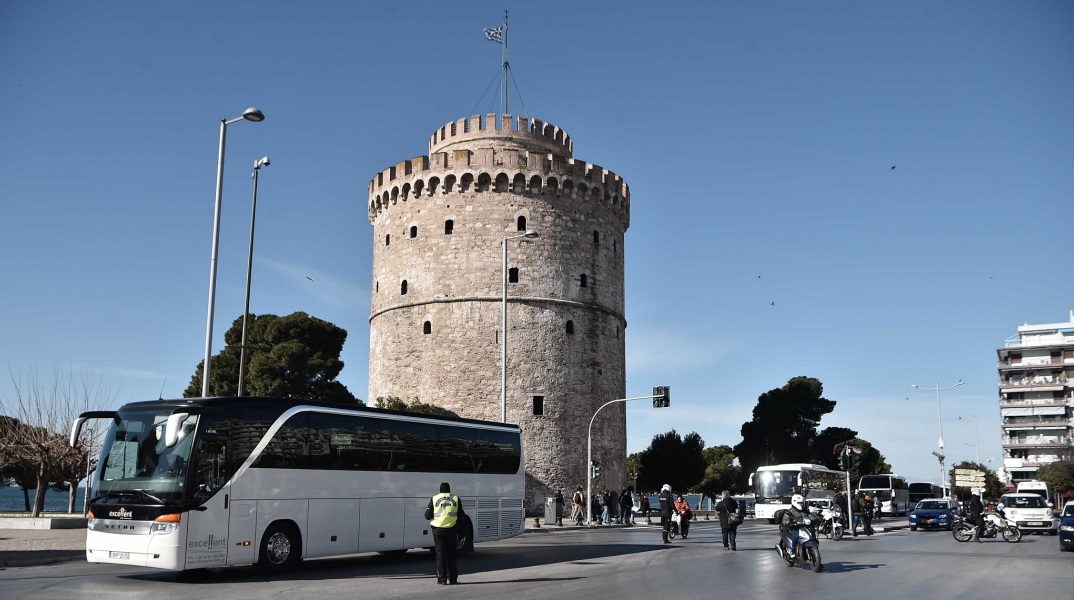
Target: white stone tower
{"type": "Point", "coordinates": [439, 228]}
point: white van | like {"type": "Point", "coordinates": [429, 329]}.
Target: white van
{"type": "Point", "coordinates": [1030, 512]}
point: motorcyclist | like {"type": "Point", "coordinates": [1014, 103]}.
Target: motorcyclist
{"type": "Point", "coordinates": [788, 526]}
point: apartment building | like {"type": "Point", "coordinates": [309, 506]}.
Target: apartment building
{"type": "Point", "coordinates": [1036, 397]}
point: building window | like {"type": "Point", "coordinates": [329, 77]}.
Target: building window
{"type": "Point", "coordinates": [538, 406]}
{"type": "Point", "coordinates": [570, 327]}
{"type": "Point", "coordinates": [427, 328]}
{"type": "Point", "coordinates": [615, 247]}
{"type": "Point", "coordinates": [388, 239]}
{"type": "Point", "coordinates": [596, 237]}
{"type": "Point", "coordinates": [402, 288]}
{"type": "Point", "coordinates": [449, 226]}
{"type": "Point", "coordinates": [512, 275]}
{"type": "Point", "coordinates": [521, 224]}
{"type": "Point", "coordinates": [413, 231]}
{"type": "Point", "coordinates": [376, 286]}
{"type": "Point", "coordinates": [583, 280]}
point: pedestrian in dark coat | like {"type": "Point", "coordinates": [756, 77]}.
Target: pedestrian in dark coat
{"type": "Point", "coordinates": [730, 514]}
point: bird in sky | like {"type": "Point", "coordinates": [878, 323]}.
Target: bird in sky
{"type": "Point", "coordinates": [773, 304]}
{"type": "Point", "coordinates": [892, 167]}
{"type": "Point", "coordinates": [310, 278]}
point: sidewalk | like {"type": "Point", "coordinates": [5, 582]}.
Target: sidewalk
{"type": "Point", "coordinates": [29, 547]}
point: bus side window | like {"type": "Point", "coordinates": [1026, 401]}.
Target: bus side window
{"type": "Point", "coordinates": [212, 470]}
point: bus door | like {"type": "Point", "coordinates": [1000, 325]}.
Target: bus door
{"type": "Point", "coordinates": [207, 531]}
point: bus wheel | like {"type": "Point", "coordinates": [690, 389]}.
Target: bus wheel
{"type": "Point", "coordinates": [281, 548]}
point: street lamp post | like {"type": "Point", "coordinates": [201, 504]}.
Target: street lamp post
{"type": "Point", "coordinates": [976, 447]}
{"type": "Point", "coordinates": [939, 423]}
{"type": "Point", "coordinates": [530, 233]}
{"type": "Point", "coordinates": [261, 162]}
{"type": "Point", "coordinates": [250, 114]}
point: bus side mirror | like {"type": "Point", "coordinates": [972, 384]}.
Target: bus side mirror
{"type": "Point", "coordinates": [171, 429]}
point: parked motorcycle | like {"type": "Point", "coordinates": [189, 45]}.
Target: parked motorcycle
{"type": "Point", "coordinates": [807, 550]}
{"type": "Point", "coordinates": [832, 524]}
{"type": "Point", "coordinates": [995, 523]}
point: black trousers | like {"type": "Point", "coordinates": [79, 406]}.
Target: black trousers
{"type": "Point", "coordinates": [446, 568]}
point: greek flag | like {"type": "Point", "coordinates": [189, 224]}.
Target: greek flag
{"type": "Point", "coordinates": [494, 35]}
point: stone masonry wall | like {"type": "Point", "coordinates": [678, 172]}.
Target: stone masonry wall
{"type": "Point", "coordinates": [439, 226]}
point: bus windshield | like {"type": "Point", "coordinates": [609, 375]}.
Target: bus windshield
{"type": "Point", "coordinates": [775, 484]}
{"type": "Point", "coordinates": [136, 462]}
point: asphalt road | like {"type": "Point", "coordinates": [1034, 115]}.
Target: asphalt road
{"type": "Point", "coordinates": [610, 563]}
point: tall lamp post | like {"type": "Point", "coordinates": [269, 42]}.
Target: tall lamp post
{"type": "Point", "coordinates": [976, 446]}
{"type": "Point", "coordinates": [530, 233]}
{"type": "Point", "coordinates": [261, 162]}
{"type": "Point", "coordinates": [250, 114]}
{"type": "Point", "coordinates": [939, 423]}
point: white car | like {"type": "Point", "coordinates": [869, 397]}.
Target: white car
{"type": "Point", "coordinates": [1030, 512]}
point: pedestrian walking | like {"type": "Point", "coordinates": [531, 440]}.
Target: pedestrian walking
{"type": "Point", "coordinates": [559, 507]}
{"type": "Point", "coordinates": [605, 509]}
{"type": "Point", "coordinates": [730, 513]}
{"type": "Point", "coordinates": [856, 509]}
{"type": "Point", "coordinates": [867, 509]}
{"type": "Point", "coordinates": [443, 512]}
{"type": "Point", "coordinates": [667, 506]}
{"type": "Point", "coordinates": [578, 506]}
{"type": "Point", "coordinates": [626, 506]}
{"type": "Point", "coordinates": [646, 508]}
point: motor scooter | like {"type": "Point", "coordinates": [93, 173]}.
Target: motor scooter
{"type": "Point", "coordinates": [807, 548]}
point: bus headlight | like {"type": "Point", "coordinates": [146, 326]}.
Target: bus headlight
{"type": "Point", "coordinates": [166, 523]}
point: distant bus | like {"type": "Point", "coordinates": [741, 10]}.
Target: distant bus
{"type": "Point", "coordinates": [891, 491]}
{"type": "Point", "coordinates": [919, 491]}
{"type": "Point", "coordinates": [1033, 487]}
{"type": "Point", "coordinates": [213, 482]}
{"type": "Point", "coordinates": [774, 485]}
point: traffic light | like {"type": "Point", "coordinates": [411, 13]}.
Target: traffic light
{"type": "Point", "coordinates": [595, 467]}
{"type": "Point", "coordinates": [661, 396]}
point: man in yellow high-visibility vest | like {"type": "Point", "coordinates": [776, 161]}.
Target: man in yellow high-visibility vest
{"type": "Point", "coordinates": [443, 512]}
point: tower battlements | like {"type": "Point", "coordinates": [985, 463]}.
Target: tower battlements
{"type": "Point", "coordinates": [527, 156]}
{"type": "Point", "coordinates": [524, 131]}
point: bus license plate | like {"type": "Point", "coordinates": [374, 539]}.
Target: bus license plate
{"type": "Point", "coordinates": [120, 555]}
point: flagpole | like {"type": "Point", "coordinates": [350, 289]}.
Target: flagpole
{"type": "Point", "coordinates": [506, 64]}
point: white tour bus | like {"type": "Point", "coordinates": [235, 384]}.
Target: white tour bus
{"type": "Point", "coordinates": [212, 482]}
{"type": "Point", "coordinates": [892, 492]}
{"type": "Point", "coordinates": [774, 485]}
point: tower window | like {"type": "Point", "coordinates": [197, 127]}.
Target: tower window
{"type": "Point", "coordinates": [583, 280]}
{"type": "Point", "coordinates": [596, 237]}
{"type": "Point", "coordinates": [413, 231]}
{"type": "Point", "coordinates": [376, 286]}
{"type": "Point", "coordinates": [538, 405]}
{"type": "Point", "coordinates": [615, 247]}
{"type": "Point", "coordinates": [449, 226]}
{"type": "Point", "coordinates": [427, 328]}
{"type": "Point", "coordinates": [512, 275]}
{"type": "Point", "coordinates": [521, 224]}
{"type": "Point", "coordinates": [388, 239]}
{"type": "Point", "coordinates": [402, 288]}
{"type": "Point", "coordinates": [570, 327]}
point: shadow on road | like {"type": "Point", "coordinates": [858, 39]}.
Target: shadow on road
{"type": "Point", "coordinates": [419, 564]}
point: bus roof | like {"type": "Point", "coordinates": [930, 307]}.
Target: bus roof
{"type": "Point", "coordinates": [283, 404]}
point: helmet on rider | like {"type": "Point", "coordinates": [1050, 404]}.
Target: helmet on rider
{"type": "Point", "coordinates": [666, 488]}
{"type": "Point", "coordinates": [797, 501]}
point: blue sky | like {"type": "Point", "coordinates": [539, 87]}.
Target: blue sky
{"type": "Point", "coordinates": [758, 140]}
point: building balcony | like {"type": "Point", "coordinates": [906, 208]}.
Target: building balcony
{"type": "Point", "coordinates": [1048, 442]}
{"type": "Point", "coordinates": [1063, 424]}
{"type": "Point", "coordinates": [1041, 365]}
{"type": "Point", "coordinates": [1036, 384]}
{"type": "Point", "coordinates": [1032, 402]}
